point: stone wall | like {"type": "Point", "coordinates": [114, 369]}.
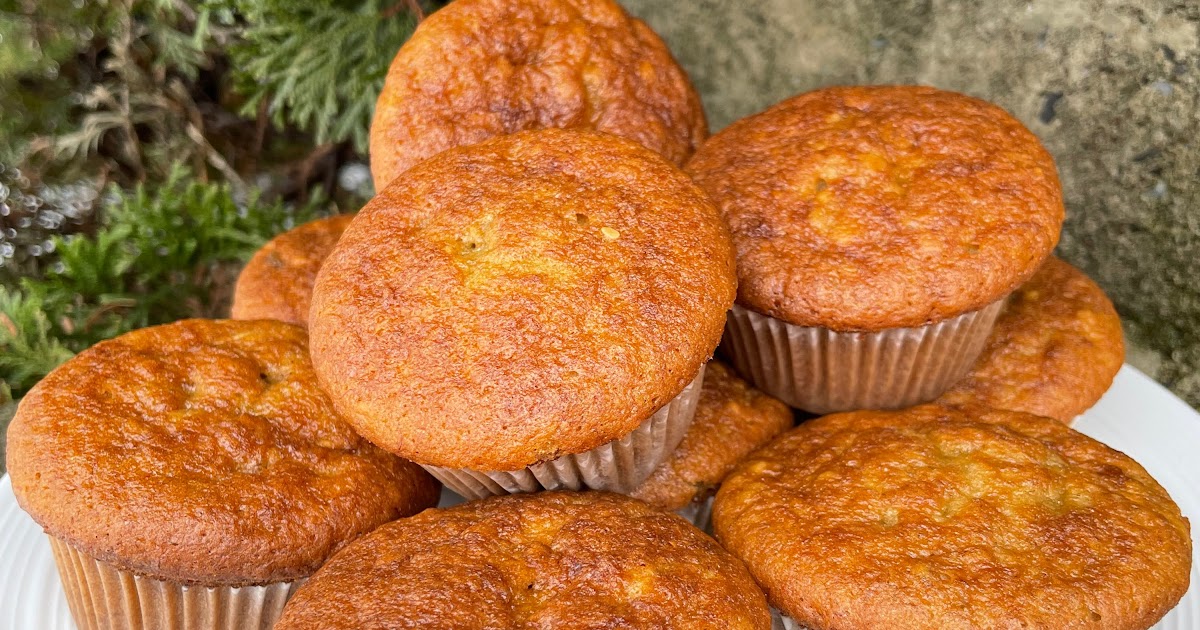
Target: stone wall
{"type": "Point", "coordinates": [1112, 87]}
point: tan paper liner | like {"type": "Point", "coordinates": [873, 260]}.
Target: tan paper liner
{"type": "Point", "coordinates": [619, 466]}
{"type": "Point", "coordinates": [699, 513]}
{"type": "Point", "coordinates": [103, 597]}
{"type": "Point", "coordinates": [825, 371]}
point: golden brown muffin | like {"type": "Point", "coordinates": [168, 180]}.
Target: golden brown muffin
{"type": "Point", "coordinates": [277, 281]}
{"type": "Point", "coordinates": [942, 518]}
{"type": "Point", "coordinates": [204, 452]}
{"type": "Point", "coordinates": [732, 419]}
{"type": "Point", "coordinates": [534, 295]}
{"type": "Point", "coordinates": [1054, 350]}
{"type": "Point", "coordinates": [866, 208]}
{"type": "Point", "coordinates": [549, 560]}
{"type": "Point", "coordinates": [481, 68]}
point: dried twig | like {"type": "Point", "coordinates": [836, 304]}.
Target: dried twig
{"type": "Point", "coordinates": [413, 7]}
{"type": "Point", "coordinates": [261, 121]}
{"type": "Point", "coordinates": [309, 164]}
{"type": "Point", "coordinates": [123, 56]}
{"type": "Point", "coordinates": [181, 99]}
{"type": "Point", "coordinates": [104, 309]}
{"type": "Point", "coordinates": [214, 157]}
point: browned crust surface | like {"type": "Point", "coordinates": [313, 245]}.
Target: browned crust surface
{"type": "Point", "coordinates": [945, 518]}
{"type": "Point", "coordinates": [1054, 350]}
{"type": "Point", "coordinates": [863, 208]}
{"type": "Point", "coordinates": [732, 419]}
{"type": "Point", "coordinates": [512, 301]}
{"type": "Point", "coordinates": [481, 68]}
{"type": "Point", "coordinates": [277, 281]}
{"type": "Point", "coordinates": [549, 560]}
{"type": "Point", "coordinates": [202, 452]}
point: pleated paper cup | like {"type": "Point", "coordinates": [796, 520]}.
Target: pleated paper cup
{"type": "Point", "coordinates": [824, 371]}
{"type": "Point", "coordinates": [103, 597]}
{"type": "Point", "coordinates": [699, 513]}
{"type": "Point", "coordinates": [618, 466]}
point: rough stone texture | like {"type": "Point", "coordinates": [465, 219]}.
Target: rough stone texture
{"type": "Point", "coordinates": [1111, 87]}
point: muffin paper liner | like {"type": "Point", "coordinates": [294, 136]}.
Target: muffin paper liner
{"type": "Point", "coordinates": [618, 466]}
{"type": "Point", "coordinates": [780, 621]}
{"type": "Point", "coordinates": [103, 597]}
{"type": "Point", "coordinates": [699, 513]}
{"type": "Point", "coordinates": [824, 371]}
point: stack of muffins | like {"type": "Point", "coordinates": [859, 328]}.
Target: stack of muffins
{"type": "Point", "coordinates": [527, 312]}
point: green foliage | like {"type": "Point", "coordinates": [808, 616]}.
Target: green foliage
{"type": "Point", "coordinates": [29, 348]}
{"type": "Point", "coordinates": [114, 95]}
{"type": "Point", "coordinates": [127, 88]}
{"type": "Point", "coordinates": [36, 41]}
{"type": "Point", "coordinates": [159, 255]}
{"type": "Point", "coordinates": [116, 66]}
{"type": "Point", "coordinates": [142, 100]}
{"type": "Point", "coordinates": [327, 89]}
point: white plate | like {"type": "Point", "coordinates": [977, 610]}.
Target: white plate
{"type": "Point", "coordinates": [1136, 416]}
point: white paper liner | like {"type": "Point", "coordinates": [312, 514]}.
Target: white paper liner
{"type": "Point", "coordinates": [103, 597]}
{"type": "Point", "coordinates": [825, 371]}
{"type": "Point", "coordinates": [780, 621]}
{"type": "Point", "coordinates": [699, 513]}
{"type": "Point", "coordinates": [619, 466]}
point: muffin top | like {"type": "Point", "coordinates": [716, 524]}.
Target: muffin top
{"type": "Point", "coordinates": [277, 282]}
{"type": "Point", "coordinates": [939, 517]}
{"type": "Point", "coordinates": [732, 419]}
{"type": "Point", "coordinates": [1054, 351]}
{"type": "Point", "coordinates": [864, 208]}
{"type": "Point", "coordinates": [531, 296]}
{"type": "Point", "coordinates": [202, 452]}
{"type": "Point", "coordinates": [548, 560]}
{"type": "Point", "coordinates": [481, 68]}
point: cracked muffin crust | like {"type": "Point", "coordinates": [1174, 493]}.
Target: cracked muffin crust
{"type": "Point", "coordinates": [732, 419]}
{"type": "Point", "coordinates": [941, 517]}
{"type": "Point", "coordinates": [1054, 351]}
{"type": "Point", "coordinates": [547, 560]}
{"type": "Point", "coordinates": [481, 68]}
{"type": "Point", "coordinates": [202, 452]}
{"type": "Point", "coordinates": [277, 281]}
{"type": "Point", "coordinates": [535, 295]}
{"type": "Point", "coordinates": [868, 208]}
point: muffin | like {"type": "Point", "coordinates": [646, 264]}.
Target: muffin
{"type": "Point", "coordinates": [482, 68]}
{"type": "Point", "coordinates": [197, 454]}
{"type": "Point", "coordinates": [1054, 351]}
{"type": "Point", "coordinates": [549, 560]}
{"type": "Point", "coordinates": [953, 517]}
{"type": "Point", "coordinates": [732, 419]}
{"type": "Point", "coordinates": [277, 281]}
{"type": "Point", "coordinates": [531, 311]}
{"type": "Point", "coordinates": [878, 230]}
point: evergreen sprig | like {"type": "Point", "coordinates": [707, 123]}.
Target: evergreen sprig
{"type": "Point", "coordinates": [319, 65]}
{"type": "Point", "coordinates": [159, 254]}
{"type": "Point", "coordinates": [115, 77]}
{"type": "Point", "coordinates": [30, 349]}
{"type": "Point", "coordinates": [37, 44]}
